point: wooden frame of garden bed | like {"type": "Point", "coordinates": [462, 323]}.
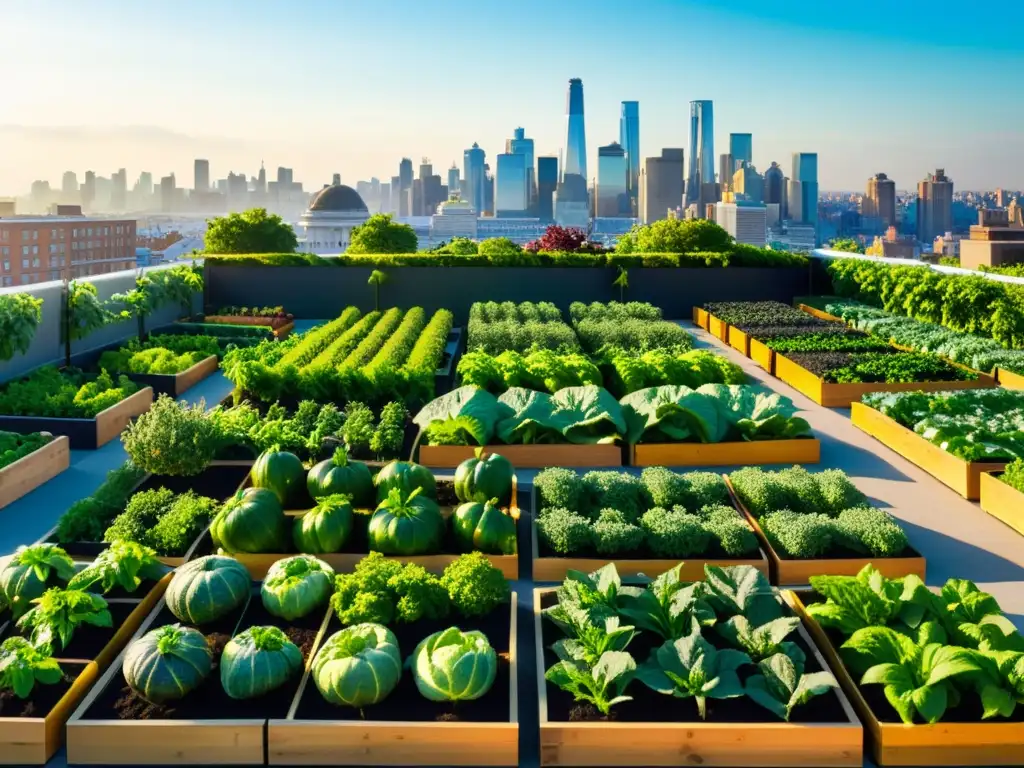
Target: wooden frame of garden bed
{"type": "Point", "coordinates": [790, 572]}
{"type": "Point", "coordinates": [798, 451]}
{"type": "Point", "coordinates": [832, 395]}
{"type": "Point", "coordinates": [962, 476]}
{"type": "Point", "coordinates": [744, 745]}
{"type": "Point", "coordinates": [761, 354]}
{"type": "Point", "coordinates": [944, 743]}
{"type": "Point", "coordinates": [34, 740]}
{"type": "Point", "coordinates": [534, 456]}
{"type": "Point", "coordinates": [239, 741]}
{"type": "Point", "coordinates": [379, 742]}
{"type": "Point", "coordinates": [1002, 501]}
{"type": "Point", "coordinates": [86, 434]}
{"type": "Point", "coordinates": [29, 472]}
{"type": "Point", "coordinates": [820, 314]}
{"type": "Point", "coordinates": [700, 317]}
{"type": "Point", "coordinates": [556, 568]}
{"type": "Point", "coordinates": [1009, 379]}
{"type": "Point", "coordinates": [268, 322]}
{"type": "Point", "coordinates": [176, 384]}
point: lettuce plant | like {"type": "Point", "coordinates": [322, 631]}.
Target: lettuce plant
{"type": "Point", "coordinates": [667, 606]}
{"type": "Point", "coordinates": [56, 615]}
{"type": "Point", "coordinates": [741, 590]}
{"type": "Point", "coordinates": [124, 564]}
{"type": "Point", "coordinates": [780, 685]}
{"type": "Point", "coordinates": [22, 665]}
{"type": "Point", "coordinates": [591, 634]}
{"type": "Point", "coordinates": [600, 588]}
{"type": "Point", "coordinates": [765, 641]}
{"type": "Point", "coordinates": [602, 684]}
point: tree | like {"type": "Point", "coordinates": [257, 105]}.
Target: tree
{"type": "Point", "coordinates": [377, 278]}
{"type": "Point", "coordinates": [846, 245]}
{"type": "Point", "coordinates": [253, 231]}
{"type": "Point", "coordinates": [676, 236]}
{"type": "Point", "coordinates": [556, 238]}
{"type": "Point", "coordinates": [380, 234]}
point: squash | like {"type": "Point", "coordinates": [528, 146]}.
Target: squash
{"type": "Point", "coordinates": [406, 477]}
{"type": "Point", "coordinates": [167, 663]}
{"type": "Point", "coordinates": [204, 590]}
{"type": "Point", "coordinates": [484, 528]}
{"type": "Point", "coordinates": [409, 524]}
{"type": "Point", "coordinates": [257, 661]}
{"type": "Point", "coordinates": [340, 475]}
{"type": "Point", "coordinates": [358, 666]}
{"type": "Point", "coordinates": [325, 528]}
{"type": "Point", "coordinates": [484, 477]}
{"type": "Point", "coordinates": [296, 586]}
{"type": "Point", "coordinates": [278, 471]}
{"type": "Point", "coordinates": [253, 521]}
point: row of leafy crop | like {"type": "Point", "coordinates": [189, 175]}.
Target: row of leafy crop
{"type": "Point", "coordinates": [14, 446]}
{"type": "Point", "coordinates": [977, 352]}
{"type": "Point", "coordinates": [974, 425]}
{"type": "Point", "coordinates": [966, 304]}
{"type": "Point", "coordinates": [712, 413]}
{"type": "Point", "coordinates": [159, 354]}
{"type": "Point", "coordinates": [66, 393]}
{"type": "Point", "coordinates": [377, 357]}
{"type": "Point", "coordinates": [711, 646]}
{"type": "Point", "coordinates": [635, 327]}
{"type": "Point", "coordinates": [495, 328]}
{"type": "Point", "coordinates": [951, 656]}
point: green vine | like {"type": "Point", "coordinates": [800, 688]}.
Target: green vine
{"type": "Point", "coordinates": [20, 314]}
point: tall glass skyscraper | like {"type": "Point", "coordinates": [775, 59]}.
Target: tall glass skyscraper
{"type": "Point", "coordinates": [520, 145]}
{"type": "Point", "coordinates": [702, 152]}
{"type": "Point", "coordinates": [629, 138]}
{"type": "Point", "coordinates": [547, 182]}
{"type": "Point", "coordinates": [474, 178]}
{"type": "Point", "coordinates": [805, 171]}
{"type": "Point", "coordinates": [511, 196]}
{"type": "Point", "coordinates": [575, 132]}
{"type": "Point", "coordinates": [612, 188]}
{"type": "Point", "coordinates": [741, 147]}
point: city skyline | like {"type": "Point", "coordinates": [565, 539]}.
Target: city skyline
{"type": "Point", "coordinates": [817, 95]}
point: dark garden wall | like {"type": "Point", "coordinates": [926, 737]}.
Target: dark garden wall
{"type": "Point", "coordinates": [321, 292]}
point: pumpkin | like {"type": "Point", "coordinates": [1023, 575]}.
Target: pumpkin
{"type": "Point", "coordinates": [484, 477]}
{"type": "Point", "coordinates": [204, 590]}
{"type": "Point", "coordinates": [257, 661]}
{"type": "Point", "coordinates": [409, 524]}
{"type": "Point", "coordinates": [167, 663]}
{"type": "Point", "coordinates": [406, 477]}
{"type": "Point", "coordinates": [325, 528]}
{"type": "Point", "coordinates": [295, 586]}
{"type": "Point", "coordinates": [253, 521]}
{"type": "Point", "coordinates": [339, 475]}
{"type": "Point", "coordinates": [358, 666]}
{"type": "Point", "coordinates": [278, 471]}
{"type": "Point", "coordinates": [30, 572]}
{"type": "Point", "coordinates": [484, 528]}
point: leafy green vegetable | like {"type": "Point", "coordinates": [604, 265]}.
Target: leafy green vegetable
{"type": "Point", "coordinates": [124, 564]}
{"type": "Point", "coordinates": [171, 438]}
{"type": "Point", "coordinates": [474, 585]}
{"type": "Point", "coordinates": [56, 615]}
{"type": "Point", "coordinates": [781, 685]}
{"type": "Point", "coordinates": [667, 606]}
{"type": "Point", "coordinates": [28, 574]}
{"type": "Point", "coordinates": [22, 665]}
{"type": "Point", "coordinates": [602, 685]}
{"type": "Point", "coordinates": [65, 393]}
{"type": "Point", "coordinates": [382, 590]}
{"type": "Point", "coordinates": [451, 665]}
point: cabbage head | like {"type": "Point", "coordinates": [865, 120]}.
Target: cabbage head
{"type": "Point", "coordinates": [297, 586]}
{"type": "Point", "coordinates": [454, 666]}
{"type": "Point", "coordinates": [358, 666]}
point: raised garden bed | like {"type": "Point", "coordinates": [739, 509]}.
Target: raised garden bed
{"type": "Point", "coordinates": [405, 728]}
{"type": "Point", "coordinates": [36, 732]}
{"type": "Point", "coordinates": [700, 317]}
{"type": "Point", "coordinates": [176, 384]}
{"type": "Point", "coordinates": [277, 323]}
{"type": "Point", "coordinates": [535, 456]}
{"type": "Point", "coordinates": [762, 355]}
{"type": "Point", "coordinates": [718, 328]}
{"type": "Point", "coordinates": [798, 451]}
{"type": "Point", "coordinates": [1002, 501]}
{"type": "Point", "coordinates": [892, 742]}
{"type": "Point", "coordinates": [29, 472]}
{"type": "Point", "coordinates": [663, 730]}
{"type": "Point", "coordinates": [1009, 379]}
{"type": "Point", "coordinates": [86, 434]}
{"type": "Point", "coordinates": [833, 395]}
{"type": "Point", "coordinates": [964, 477]}
{"type": "Point", "coordinates": [739, 340]}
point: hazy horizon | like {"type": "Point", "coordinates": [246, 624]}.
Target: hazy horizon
{"type": "Point", "coordinates": [329, 88]}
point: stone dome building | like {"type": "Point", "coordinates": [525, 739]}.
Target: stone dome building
{"type": "Point", "coordinates": [328, 222]}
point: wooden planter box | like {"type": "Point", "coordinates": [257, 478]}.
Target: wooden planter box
{"type": "Point", "coordinates": [820, 314]}
{"type": "Point", "coordinates": [536, 456]}
{"type": "Point", "coordinates": [1002, 501]}
{"type": "Point", "coordinates": [762, 355]}
{"type": "Point", "coordinates": [86, 434]}
{"type": "Point", "coordinates": [553, 568]}
{"type": "Point", "coordinates": [800, 451]}
{"type": "Point", "coordinates": [34, 740]}
{"type": "Point", "coordinates": [841, 395]}
{"type": "Point", "coordinates": [700, 318]}
{"type": "Point", "coordinates": [895, 743]}
{"type": "Point", "coordinates": [962, 476]}
{"type": "Point", "coordinates": [175, 384]}
{"type": "Point", "coordinates": [277, 323]}
{"type": "Point", "coordinates": [739, 340]}
{"type": "Point", "coordinates": [29, 472]}
{"type": "Point", "coordinates": [1009, 379]}
{"type": "Point", "coordinates": [790, 572]}
{"type": "Point", "coordinates": [386, 742]}
{"type": "Point", "coordinates": [746, 745]}
{"type": "Point", "coordinates": [718, 328]}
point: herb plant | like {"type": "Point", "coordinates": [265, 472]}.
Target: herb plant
{"type": "Point", "coordinates": [14, 446]}
{"type": "Point", "coordinates": [22, 665]}
{"type": "Point", "coordinates": [124, 564]}
{"type": "Point", "coordinates": [66, 393]}
{"type": "Point", "coordinates": [54, 617]}
{"type": "Point", "coordinates": [171, 438]}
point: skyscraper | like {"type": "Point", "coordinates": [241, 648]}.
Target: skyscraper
{"type": "Point", "coordinates": [520, 145]}
{"type": "Point", "coordinates": [474, 177]}
{"type": "Point", "coordinates": [629, 138]}
{"type": "Point", "coordinates": [612, 182]}
{"type": "Point", "coordinates": [394, 194]}
{"type": "Point", "coordinates": [547, 183]}
{"type": "Point", "coordinates": [880, 200]}
{"type": "Point", "coordinates": [69, 186]}
{"type": "Point", "coordinates": [741, 147]}
{"type": "Point", "coordinates": [431, 192]}
{"type": "Point", "coordinates": [575, 132]}
{"type": "Point", "coordinates": [726, 168]}
{"type": "Point", "coordinates": [405, 187]}
{"type": "Point", "coordinates": [261, 180]}
{"type": "Point", "coordinates": [119, 190]}
{"type": "Point", "coordinates": [661, 185]}
{"type": "Point", "coordinates": [453, 180]}
{"type": "Point", "coordinates": [934, 206]}
{"type": "Point", "coordinates": [511, 191]}
{"type": "Point", "coordinates": [88, 191]}
{"type": "Point", "coordinates": [748, 184]}
{"type": "Point", "coordinates": [805, 172]}
{"type": "Point", "coordinates": [702, 153]}
{"type": "Point", "coordinates": [775, 188]}
{"type": "Point", "coordinates": [201, 175]}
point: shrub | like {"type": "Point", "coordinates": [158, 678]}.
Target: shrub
{"type": "Point", "coordinates": [172, 438]}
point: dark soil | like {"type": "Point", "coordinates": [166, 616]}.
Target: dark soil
{"type": "Point", "coordinates": [648, 706]}
{"type": "Point", "coordinates": [43, 698]}
{"type": "Point", "coordinates": [406, 702]}
{"type": "Point", "coordinates": [762, 332]}
{"type": "Point", "coordinates": [88, 641]}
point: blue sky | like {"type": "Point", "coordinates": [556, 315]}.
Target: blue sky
{"type": "Point", "coordinates": [351, 86]}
